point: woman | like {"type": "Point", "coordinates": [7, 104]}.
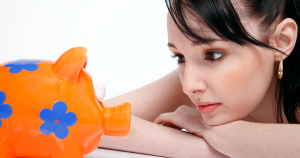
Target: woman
{"type": "Point", "coordinates": [228, 67]}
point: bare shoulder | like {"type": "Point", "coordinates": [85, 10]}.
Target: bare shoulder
{"type": "Point", "coordinates": [161, 96]}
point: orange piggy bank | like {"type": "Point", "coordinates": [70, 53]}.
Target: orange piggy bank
{"type": "Point", "coordinates": [50, 109]}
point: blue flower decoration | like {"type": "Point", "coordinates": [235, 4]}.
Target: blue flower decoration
{"type": "Point", "coordinates": [18, 65]}
{"type": "Point", "coordinates": [5, 109]}
{"type": "Point", "coordinates": [57, 120]}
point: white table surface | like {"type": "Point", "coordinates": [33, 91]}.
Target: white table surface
{"type": "Point", "coordinates": [107, 153]}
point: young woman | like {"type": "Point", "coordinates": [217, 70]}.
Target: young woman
{"type": "Point", "coordinates": [228, 90]}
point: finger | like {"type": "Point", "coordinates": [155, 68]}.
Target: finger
{"type": "Point", "coordinates": [163, 118]}
{"type": "Point", "coordinates": [167, 124]}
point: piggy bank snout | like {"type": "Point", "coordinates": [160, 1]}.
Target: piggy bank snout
{"type": "Point", "coordinates": [118, 120]}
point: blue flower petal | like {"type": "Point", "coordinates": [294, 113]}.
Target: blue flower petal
{"type": "Point", "coordinates": [5, 111]}
{"type": "Point", "coordinates": [47, 115]}
{"type": "Point", "coordinates": [12, 63]}
{"type": "Point", "coordinates": [31, 67]}
{"type": "Point", "coordinates": [15, 69]}
{"type": "Point", "coordinates": [47, 128]}
{"type": "Point", "coordinates": [60, 108]}
{"type": "Point", "coordinates": [57, 120]}
{"type": "Point", "coordinates": [25, 61]}
{"type": "Point", "coordinates": [18, 65]}
{"type": "Point", "coordinates": [61, 132]}
{"type": "Point", "coordinates": [2, 97]}
{"type": "Point", "coordinates": [69, 119]}
{"type": "Point", "coordinates": [34, 61]}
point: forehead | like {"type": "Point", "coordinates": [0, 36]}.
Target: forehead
{"type": "Point", "coordinates": [194, 21]}
{"type": "Point", "coordinates": [200, 29]}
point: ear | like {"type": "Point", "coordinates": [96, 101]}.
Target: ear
{"type": "Point", "coordinates": [68, 66]}
{"type": "Point", "coordinates": [285, 37]}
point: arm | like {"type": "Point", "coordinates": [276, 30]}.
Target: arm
{"type": "Point", "coordinates": [149, 138]}
{"type": "Point", "coordinates": [239, 138]}
{"type": "Point", "coordinates": [148, 102]}
{"type": "Point", "coordinates": [248, 139]}
{"type": "Point", "coordinates": [161, 96]}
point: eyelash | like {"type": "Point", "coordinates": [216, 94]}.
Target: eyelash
{"type": "Point", "coordinates": [181, 58]}
{"type": "Point", "coordinates": [215, 60]}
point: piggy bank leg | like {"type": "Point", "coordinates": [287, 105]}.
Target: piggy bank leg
{"type": "Point", "coordinates": [70, 155]}
{"type": "Point", "coordinates": [6, 151]}
{"type": "Point", "coordinates": [71, 152]}
{"type": "Point", "coordinates": [93, 144]}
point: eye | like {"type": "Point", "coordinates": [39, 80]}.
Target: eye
{"type": "Point", "coordinates": [181, 58]}
{"type": "Point", "coordinates": [214, 56]}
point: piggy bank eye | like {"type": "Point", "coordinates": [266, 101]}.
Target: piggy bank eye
{"type": "Point", "coordinates": [99, 89]}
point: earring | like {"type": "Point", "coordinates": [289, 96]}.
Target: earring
{"type": "Point", "coordinates": [280, 69]}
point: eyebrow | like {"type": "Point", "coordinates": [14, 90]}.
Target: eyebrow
{"type": "Point", "coordinates": [195, 43]}
{"type": "Point", "coordinates": [171, 45]}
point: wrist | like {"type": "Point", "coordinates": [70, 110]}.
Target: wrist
{"type": "Point", "coordinates": [213, 130]}
{"type": "Point", "coordinates": [206, 130]}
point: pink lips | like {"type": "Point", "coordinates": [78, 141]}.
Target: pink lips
{"type": "Point", "coordinates": [206, 107]}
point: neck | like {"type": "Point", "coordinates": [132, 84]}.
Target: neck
{"type": "Point", "coordinates": [265, 111]}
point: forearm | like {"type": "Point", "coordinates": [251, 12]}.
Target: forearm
{"type": "Point", "coordinates": [149, 138]}
{"type": "Point", "coordinates": [247, 139]}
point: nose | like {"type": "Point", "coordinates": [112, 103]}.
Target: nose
{"type": "Point", "coordinates": [192, 82]}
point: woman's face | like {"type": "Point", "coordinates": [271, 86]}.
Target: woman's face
{"type": "Point", "coordinates": [229, 79]}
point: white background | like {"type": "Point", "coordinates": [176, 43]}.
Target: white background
{"type": "Point", "coordinates": [126, 39]}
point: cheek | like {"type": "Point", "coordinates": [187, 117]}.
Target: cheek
{"type": "Point", "coordinates": [244, 84]}
{"type": "Point", "coordinates": [180, 72]}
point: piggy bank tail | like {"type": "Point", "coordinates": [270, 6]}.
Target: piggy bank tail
{"type": "Point", "coordinates": [118, 120]}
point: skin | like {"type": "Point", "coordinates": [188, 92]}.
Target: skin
{"type": "Point", "coordinates": [244, 84]}
{"type": "Point", "coordinates": [242, 81]}
{"type": "Point", "coordinates": [147, 103]}
{"type": "Point", "coordinates": [247, 69]}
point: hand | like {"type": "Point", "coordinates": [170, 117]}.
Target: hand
{"type": "Point", "coordinates": [184, 117]}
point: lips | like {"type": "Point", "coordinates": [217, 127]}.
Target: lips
{"type": "Point", "coordinates": [207, 108]}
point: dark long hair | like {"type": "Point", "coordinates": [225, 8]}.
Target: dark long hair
{"type": "Point", "coordinates": [222, 18]}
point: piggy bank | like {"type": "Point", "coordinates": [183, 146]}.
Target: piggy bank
{"type": "Point", "coordinates": [50, 109]}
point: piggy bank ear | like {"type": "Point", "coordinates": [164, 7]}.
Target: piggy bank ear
{"type": "Point", "coordinates": [69, 64]}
